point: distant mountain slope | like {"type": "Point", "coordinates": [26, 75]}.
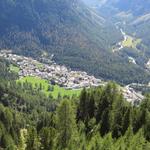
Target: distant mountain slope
{"type": "Point", "coordinates": [48, 24]}
{"type": "Point", "coordinates": [139, 21]}
{"type": "Point", "coordinates": [136, 7]}
{"type": "Point", "coordinates": [74, 33]}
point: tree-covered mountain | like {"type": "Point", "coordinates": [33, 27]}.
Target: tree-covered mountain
{"type": "Point", "coordinates": [55, 26]}
{"type": "Point", "coordinates": [76, 35]}
{"type": "Point", "coordinates": [133, 17]}
{"type": "Point", "coordinates": [136, 7]}
{"type": "Point", "coordinates": [135, 13]}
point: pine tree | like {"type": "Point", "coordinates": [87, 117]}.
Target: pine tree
{"type": "Point", "coordinates": [82, 113]}
{"type": "Point", "coordinates": [127, 120]}
{"type": "Point", "coordinates": [138, 141]}
{"type": "Point", "coordinates": [33, 142]}
{"type": "Point", "coordinates": [128, 137]}
{"type": "Point", "coordinates": [91, 107]}
{"type": "Point", "coordinates": [7, 118]}
{"type": "Point", "coordinates": [106, 100]}
{"type": "Point", "coordinates": [47, 136]}
{"type": "Point", "coordinates": [107, 142]}
{"type": "Point", "coordinates": [2, 130]}
{"type": "Point", "coordinates": [7, 142]}
{"type": "Point", "coordinates": [66, 125]}
{"type": "Point", "coordinates": [119, 144]}
{"type": "Point", "coordinates": [105, 122]}
{"type": "Point", "coordinates": [95, 143]}
{"type": "Point", "coordinates": [147, 124]}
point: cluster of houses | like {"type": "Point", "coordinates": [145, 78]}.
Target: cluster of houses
{"type": "Point", "coordinates": [131, 95]}
{"type": "Point", "coordinates": [63, 76]}
{"type": "Point", "coordinates": [56, 74]}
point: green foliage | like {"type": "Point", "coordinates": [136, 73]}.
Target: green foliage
{"type": "Point", "coordinates": [22, 139]}
{"type": "Point", "coordinates": [47, 136]}
{"type": "Point", "coordinates": [33, 142]}
{"type": "Point", "coordinates": [67, 130]}
{"type": "Point", "coordinates": [99, 120]}
{"type": "Point", "coordinates": [14, 68]}
{"type": "Point", "coordinates": [44, 86]}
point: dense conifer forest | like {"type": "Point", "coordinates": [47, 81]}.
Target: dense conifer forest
{"type": "Point", "coordinates": [99, 119]}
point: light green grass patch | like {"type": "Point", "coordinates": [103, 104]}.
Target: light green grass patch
{"type": "Point", "coordinates": [131, 42]}
{"type": "Point", "coordinates": [136, 42]}
{"type": "Point", "coordinates": [45, 85]}
{"type": "Point", "coordinates": [14, 68]}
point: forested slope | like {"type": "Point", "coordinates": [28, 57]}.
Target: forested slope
{"type": "Point", "coordinates": [99, 119]}
{"type": "Point", "coordinates": [75, 34]}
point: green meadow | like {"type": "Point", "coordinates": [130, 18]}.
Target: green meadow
{"type": "Point", "coordinates": [131, 42]}
{"type": "Point", "coordinates": [14, 68]}
{"type": "Point", "coordinates": [46, 86]}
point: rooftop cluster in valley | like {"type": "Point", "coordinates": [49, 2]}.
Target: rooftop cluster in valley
{"type": "Point", "coordinates": [56, 74]}
{"type": "Point", "coordinates": [61, 75]}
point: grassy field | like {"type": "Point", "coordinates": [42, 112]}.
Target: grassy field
{"type": "Point", "coordinates": [35, 81]}
{"type": "Point", "coordinates": [131, 42]}
{"type": "Point", "coordinates": [14, 68]}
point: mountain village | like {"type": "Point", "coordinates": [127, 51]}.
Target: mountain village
{"type": "Point", "coordinates": [56, 74]}
{"type": "Point", "coordinates": [62, 76]}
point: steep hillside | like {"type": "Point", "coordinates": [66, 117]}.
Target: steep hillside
{"type": "Point", "coordinates": [49, 24]}
{"type": "Point", "coordinates": [134, 18]}
{"type": "Point", "coordinates": [31, 121]}
{"type": "Point", "coordinates": [136, 14]}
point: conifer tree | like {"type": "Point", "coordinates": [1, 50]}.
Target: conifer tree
{"type": "Point", "coordinates": [147, 124]}
{"type": "Point", "coordinates": [127, 120]}
{"type": "Point", "coordinates": [119, 144]}
{"type": "Point", "coordinates": [91, 106]}
{"type": "Point", "coordinates": [7, 142]}
{"type": "Point", "coordinates": [128, 137]}
{"type": "Point", "coordinates": [66, 126]}
{"type": "Point", "coordinates": [33, 142]}
{"type": "Point", "coordinates": [95, 142]}
{"type": "Point", "coordinates": [138, 141]}
{"type": "Point", "coordinates": [107, 142]}
{"type": "Point", "coordinates": [82, 113]}
{"type": "Point", "coordinates": [47, 136]}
